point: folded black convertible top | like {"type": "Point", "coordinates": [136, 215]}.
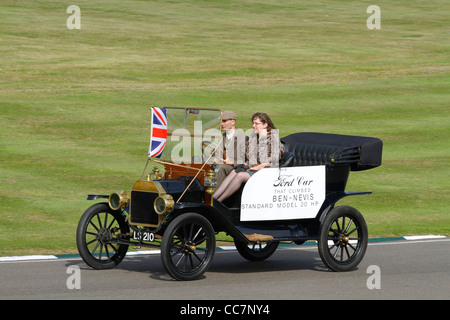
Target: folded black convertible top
{"type": "Point", "coordinates": [367, 151]}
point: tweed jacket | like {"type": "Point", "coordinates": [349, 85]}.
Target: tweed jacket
{"type": "Point", "coordinates": [235, 149]}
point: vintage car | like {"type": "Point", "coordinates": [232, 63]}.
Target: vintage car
{"type": "Point", "coordinates": [171, 206]}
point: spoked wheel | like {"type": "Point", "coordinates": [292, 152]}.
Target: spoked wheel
{"type": "Point", "coordinates": [188, 246]}
{"type": "Point", "coordinates": [96, 234]}
{"type": "Point", "coordinates": [343, 239]}
{"type": "Point", "coordinates": [256, 251]}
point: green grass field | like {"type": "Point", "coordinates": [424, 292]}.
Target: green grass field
{"type": "Point", "coordinates": [74, 104]}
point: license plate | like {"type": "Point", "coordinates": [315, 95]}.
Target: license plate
{"type": "Point", "coordinates": [143, 236]}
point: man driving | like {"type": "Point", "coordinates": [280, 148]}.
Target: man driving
{"type": "Point", "coordinates": [233, 146]}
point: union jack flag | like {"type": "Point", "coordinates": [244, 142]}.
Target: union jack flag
{"type": "Point", "coordinates": [158, 132]}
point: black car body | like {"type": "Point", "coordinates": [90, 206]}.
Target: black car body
{"type": "Point", "coordinates": [172, 207]}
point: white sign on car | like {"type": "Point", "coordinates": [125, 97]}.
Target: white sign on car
{"type": "Point", "coordinates": [283, 194]}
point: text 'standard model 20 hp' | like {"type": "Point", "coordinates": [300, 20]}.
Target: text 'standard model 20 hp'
{"type": "Point", "coordinates": [172, 206]}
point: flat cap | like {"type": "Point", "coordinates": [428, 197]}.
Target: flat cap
{"type": "Point", "coordinates": [228, 115]}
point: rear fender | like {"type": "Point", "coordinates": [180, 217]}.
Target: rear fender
{"type": "Point", "coordinates": [330, 202]}
{"type": "Point", "coordinates": [332, 199]}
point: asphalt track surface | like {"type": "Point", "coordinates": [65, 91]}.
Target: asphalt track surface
{"type": "Point", "coordinates": [414, 269]}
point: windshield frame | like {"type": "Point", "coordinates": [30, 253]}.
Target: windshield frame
{"type": "Point", "coordinates": [192, 135]}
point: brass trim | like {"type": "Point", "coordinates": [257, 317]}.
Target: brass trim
{"type": "Point", "coordinates": [199, 170]}
{"type": "Point", "coordinates": [187, 108]}
{"type": "Point", "coordinates": [150, 187]}
{"type": "Point", "coordinates": [184, 166]}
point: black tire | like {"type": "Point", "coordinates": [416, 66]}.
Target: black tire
{"type": "Point", "coordinates": [256, 251]}
{"type": "Point", "coordinates": [96, 233]}
{"type": "Point", "coordinates": [188, 246]}
{"type": "Point", "coordinates": [343, 239]}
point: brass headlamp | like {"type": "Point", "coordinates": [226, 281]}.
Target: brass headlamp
{"type": "Point", "coordinates": [164, 204]}
{"type": "Point", "coordinates": [118, 200]}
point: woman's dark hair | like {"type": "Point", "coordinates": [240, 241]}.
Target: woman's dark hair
{"type": "Point", "coordinates": [264, 119]}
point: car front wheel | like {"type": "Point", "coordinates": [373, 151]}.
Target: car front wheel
{"type": "Point", "coordinates": [188, 246]}
{"type": "Point", "coordinates": [97, 235]}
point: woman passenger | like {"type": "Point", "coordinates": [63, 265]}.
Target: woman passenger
{"type": "Point", "coordinates": [263, 149]}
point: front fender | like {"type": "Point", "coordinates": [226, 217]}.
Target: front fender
{"type": "Point", "coordinates": [97, 196]}
{"type": "Point", "coordinates": [218, 220]}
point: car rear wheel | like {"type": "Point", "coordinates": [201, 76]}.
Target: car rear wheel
{"type": "Point", "coordinates": [343, 239]}
{"type": "Point", "coordinates": [97, 234]}
{"type": "Point", "coordinates": [188, 246]}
